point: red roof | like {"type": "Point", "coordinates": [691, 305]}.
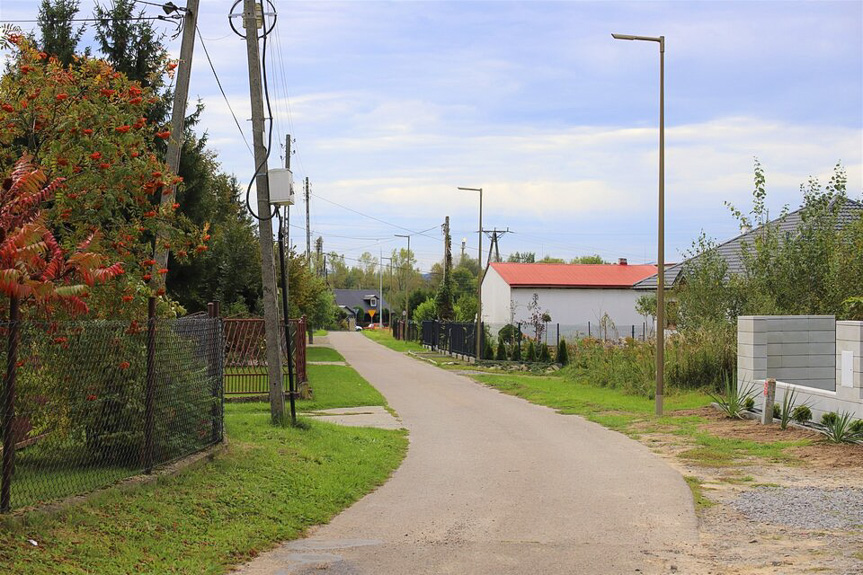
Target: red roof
{"type": "Point", "coordinates": [573, 275]}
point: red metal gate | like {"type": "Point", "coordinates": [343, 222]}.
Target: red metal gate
{"type": "Point", "coordinates": [246, 355]}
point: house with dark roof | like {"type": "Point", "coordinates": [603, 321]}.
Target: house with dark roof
{"type": "Point", "coordinates": [573, 294]}
{"type": "Point", "coordinates": [365, 306]}
{"type": "Point", "coordinates": [732, 252]}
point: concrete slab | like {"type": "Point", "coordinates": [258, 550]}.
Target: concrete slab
{"type": "Point", "coordinates": [369, 416]}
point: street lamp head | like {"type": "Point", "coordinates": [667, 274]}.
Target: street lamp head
{"type": "Point", "coordinates": [660, 39]}
{"type": "Point", "coordinates": [470, 189]}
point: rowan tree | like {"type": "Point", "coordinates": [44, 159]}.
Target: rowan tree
{"type": "Point", "coordinates": [86, 123]}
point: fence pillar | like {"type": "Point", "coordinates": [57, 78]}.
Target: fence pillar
{"type": "Point", "coordinates": [9, 406]}
{"type": "Point", "coordinates": [150, 390]}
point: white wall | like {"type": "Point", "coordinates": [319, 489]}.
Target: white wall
{"type": "Point", "coordinates": [580, 305]}
{"type": "Point", "coordinates": [495, 298]}
{"type": "Point", "coordinates": [784, 347]}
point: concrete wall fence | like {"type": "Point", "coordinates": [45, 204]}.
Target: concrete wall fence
{"type": "Point", "coordinates": [815, 355]}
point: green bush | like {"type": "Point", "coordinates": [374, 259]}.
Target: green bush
{"type": "Point", "coordinates": [701, 359]}
{"type": "Point", "coordinates": [531, 352]}
{"type": "Point", "coordinates": [516, 352]}
{"type": "Point", "coordinates": [544, 355]}
{"type": "Point", "coordinates": [801, 414]}
{"type": "Point", "coordinates": [829, 418]}
{"type": "Point", "coordinates": [749, 403]}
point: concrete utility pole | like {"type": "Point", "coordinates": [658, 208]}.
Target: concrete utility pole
{"type": "Point", "coordinates": [178, 119]}
{"type": "Point", "coordinates": [265, 226]}
{"type": "Point", "coordinates": [308, 229]}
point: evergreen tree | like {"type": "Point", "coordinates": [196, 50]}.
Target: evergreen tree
{"type": "Point", "coordinates": [544, 356]}
{"type": "Point", "coordinates": [501, 350]}
{"type": "Point", "coordinates": [562, 356]}
{"type": "Point", "coordinates": [58, 35]}
{"type": "Point", "coordinates": [531, 352]}
{"type": "Point", "coordinates": [488, 350]}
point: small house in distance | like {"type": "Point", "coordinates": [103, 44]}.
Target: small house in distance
{"type": "Point", "coordinates": [579, 297]}
{"type": "Point", "coordinates": [362, 305]}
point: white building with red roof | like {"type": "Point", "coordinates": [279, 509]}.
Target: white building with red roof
{"type": "Point", "coordinates": [575, 295]}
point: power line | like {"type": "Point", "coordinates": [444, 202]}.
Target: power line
{"type": "Point", "coordinates": [219, 83]}
{"type": "Point", "coordinates": [359, 213]}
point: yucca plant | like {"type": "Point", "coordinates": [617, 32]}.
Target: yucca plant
{"type": "Point", "coordinates": [733, 402]}
{"type": "Point", "coordinates": [842, 429]}
{"type": "Point", "coordinates": [789, 409]}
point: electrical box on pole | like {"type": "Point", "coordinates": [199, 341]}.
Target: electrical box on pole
{"type": "Point", "coordinates": [281, 187]}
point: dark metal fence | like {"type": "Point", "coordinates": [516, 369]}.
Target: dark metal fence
{"type": "Point", "coordinates": [89, 402]}
{"type": "Point", "coordinates": [450, 337]}
{"type": "Point", "coordinates": [246, 355]}
{"type": "Point", "coordinates": [411, 332]}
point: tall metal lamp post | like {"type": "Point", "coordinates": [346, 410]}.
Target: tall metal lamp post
{"type": "Point", "coordinates": [660, 259]}
{"type": "Point", "coordinates": [478, 279]}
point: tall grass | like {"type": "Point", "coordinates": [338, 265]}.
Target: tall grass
{"type": "Point", "coordinates": [699, 359]}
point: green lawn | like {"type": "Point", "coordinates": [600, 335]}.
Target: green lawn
{"type": "Point", "coordinates": [385, 338]}
{"type": "Point", "coordinates": [323, 354]}
{"type": "Point", "coordinates": [269, 485]}
{"type": "Point", "coordinates": [634, 416]}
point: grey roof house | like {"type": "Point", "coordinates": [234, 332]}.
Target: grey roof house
{"type": "Point", "coordinates": [366, 300]}
{"type": "Point", "coordinates": [731, 250]}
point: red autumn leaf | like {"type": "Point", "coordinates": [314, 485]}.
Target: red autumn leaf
{"type": "Point", "coordinates": [61, 97]}
{"type": "Point", "coordinates": [95, 155]}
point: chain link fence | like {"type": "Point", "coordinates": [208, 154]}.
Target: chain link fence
{"type": "Point", "coordinates": [87, 403]}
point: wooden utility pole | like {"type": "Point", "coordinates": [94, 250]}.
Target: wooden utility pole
{"type": "Point", "coordinates": [175, 144]}
{"type": "Point", "coordinates": [265, 225]}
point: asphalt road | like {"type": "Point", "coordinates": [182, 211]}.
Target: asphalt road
{"type": "Point", "coordinates": [495, 485]}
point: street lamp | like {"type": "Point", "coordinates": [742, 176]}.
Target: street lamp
{"type": "Point", "coordinates": [407, 311]}
{"type": "Point", "coordinates": [660, 258]}
{"type": "Point", "coordinates": [478, 278]}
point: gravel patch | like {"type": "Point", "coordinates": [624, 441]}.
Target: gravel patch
{"type": "Point", "coordinates": [804, 507]}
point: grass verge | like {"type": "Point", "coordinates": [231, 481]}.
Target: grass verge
{"type": "Point", "coordinates": [338, 386]}
{"type": "Point", "coordinates": [323, 354]}
{"type": "Point", "coordinates": [269, 486]}
{"type": "Point", "coordinates": [385, 338]}
{"type": "Point", "coordinates": [633, 415]}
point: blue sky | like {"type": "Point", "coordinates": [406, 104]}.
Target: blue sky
{"type": "Point", "coordinates": [394, 105]}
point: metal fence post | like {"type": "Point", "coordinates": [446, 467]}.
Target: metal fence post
{"type": "Point", "coordinates": [213, 312]}
{"type": "Point", "coordinates": [588, 329]}
{"type": "Point", "coordinates": [150, 391]}
{"type": "Point", "coordinates": [9, 406]}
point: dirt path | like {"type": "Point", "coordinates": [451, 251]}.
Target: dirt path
{"type": "Point", "coordinates": [732, 541]}
{"type": "Point", "coordinates": [495, 485]}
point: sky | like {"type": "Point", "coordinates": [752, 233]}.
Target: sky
{"type": "Point", "coordinates": [394, 105]}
